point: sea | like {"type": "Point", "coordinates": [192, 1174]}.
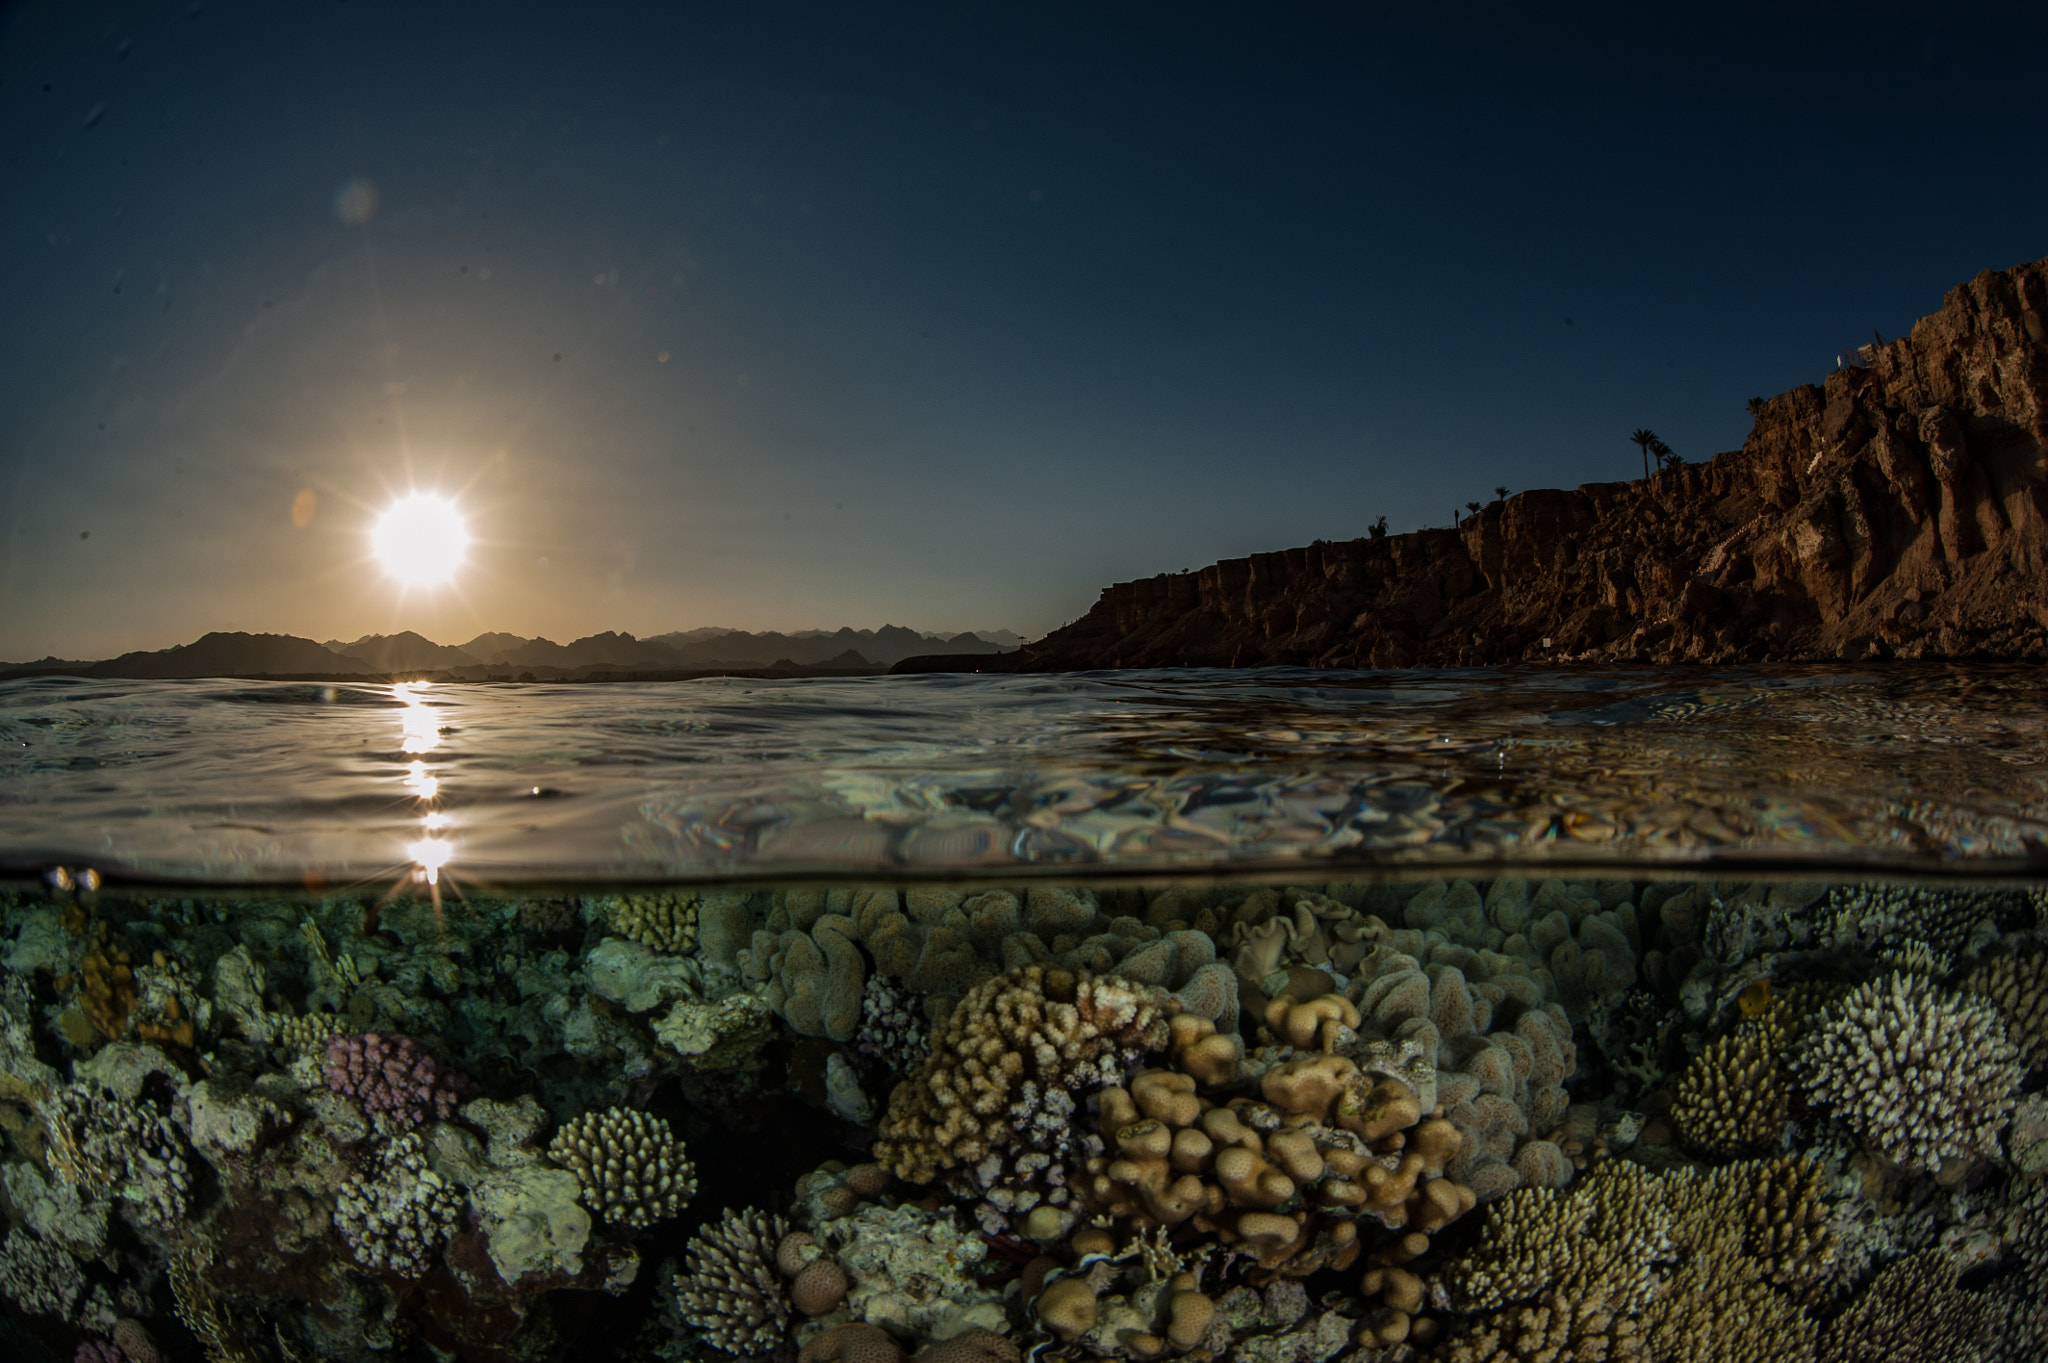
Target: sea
{"type": "Point", "coordinates": [1273, 1015]}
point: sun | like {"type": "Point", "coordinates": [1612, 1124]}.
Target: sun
{"type": "Point", "coordinates": [420, 539]}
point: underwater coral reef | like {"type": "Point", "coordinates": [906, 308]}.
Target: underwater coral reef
{"type": "Point", "coordinates": [1684, 1120]}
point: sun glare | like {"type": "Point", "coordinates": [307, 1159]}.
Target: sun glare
{"type": "Point", "coordinates": [420, 539]}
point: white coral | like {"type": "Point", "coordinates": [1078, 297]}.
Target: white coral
{"type": "Point", "coordinates": [396, 1219]}
{"type": "Point", "coordinates": [632, 1169]}
{"type": "Point", "coordinates": [1921, 1074]}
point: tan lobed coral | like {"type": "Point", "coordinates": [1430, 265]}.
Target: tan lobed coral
{"type": "Point", "coordinates": [1150, 1309]}
{"type": "Point", "coordinates": [1001, 1057]}
{"type": "Point", "coordinates": [1284, 1176]}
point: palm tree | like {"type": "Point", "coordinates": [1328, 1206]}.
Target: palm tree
{"type": "Point", "coordinates": [1646, 438]}
{"type": "Point", "coordinates": [1501, 493]}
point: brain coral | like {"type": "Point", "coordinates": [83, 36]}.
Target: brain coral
{"type": "Point", "coordinates": [1500, 1054]}
{"type": "Point", "coordinates": [1920, 1074]}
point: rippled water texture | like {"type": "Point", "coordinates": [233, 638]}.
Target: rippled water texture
{"type": "Point", "coordinates": [1113, 772]}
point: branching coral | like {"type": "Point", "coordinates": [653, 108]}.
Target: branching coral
{"type": "Point", "coordinates": [1879, 917]}
{"type": "Point", "coordinates": [632, 1169]}
{"type": "Point", "coordinates": [1633, 1265]}
{"type": "Point", "coordinates": [892, 1029]}
{"type": "Point", "coordinates": [392, 1075]}
{"type": "Point", "coordinates": [664, 922]}
{"type": "Point", "coordinates": [1732, 1098]}
{"type": "Point", "coordinates": [204, 1313]}
{"type": "Point", "coordinates": [1564, 1275]}
{"type": "Point", "coordinates": [1920, 1074]}
{"type": "Point", "coordinates": [133, 1147]}
{"type": "Point", "coordinates": [2017, 985]}
{"type": "Point", "coordinates": [394, 1218]}
{"type": "Point", "coordinates": [37, 1276]}
{"type": "Point", "coordinates": [729, 1289]}
{"type": "Point", "coordinates": [1006, 1063]}
{"type": "Point", "coordinates": [1914, 1312]}
{"type": "Point", "coordinates": [1782, 1209]}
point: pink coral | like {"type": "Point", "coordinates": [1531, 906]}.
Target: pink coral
{"type": "Point", "coordinates": [389, 1072]}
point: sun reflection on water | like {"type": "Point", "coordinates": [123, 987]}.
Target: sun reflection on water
{"type": "Point", "coordinates": [422, 734]}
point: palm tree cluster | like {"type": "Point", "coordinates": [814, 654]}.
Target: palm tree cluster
{"type": "Point", "coordinates": [1666, 456]}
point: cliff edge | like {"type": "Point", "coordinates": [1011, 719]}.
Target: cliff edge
{"type": "Point", "coordinates": [1895, 510]}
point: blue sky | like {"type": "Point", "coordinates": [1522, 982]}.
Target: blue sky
{"type": "Point", "coordinates": [967, 311]}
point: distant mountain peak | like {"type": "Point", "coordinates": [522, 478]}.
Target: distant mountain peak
{"type": "Point", "coordinates": [234, 653]}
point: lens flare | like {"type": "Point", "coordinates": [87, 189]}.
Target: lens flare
{"type": "Point", "coordinates": [420, 539]}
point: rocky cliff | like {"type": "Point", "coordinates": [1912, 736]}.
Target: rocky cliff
{"type": "Point", "coordinates": [1896, 510]}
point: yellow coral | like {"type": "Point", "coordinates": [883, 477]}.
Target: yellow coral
{"type": "Point", "coordinates": [1283, 1176]}
{"type": "Point", "coordinates": [660, 922]}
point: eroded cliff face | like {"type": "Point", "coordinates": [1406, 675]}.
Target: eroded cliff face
{"type": "Point", "coordinates": [1894, 511]}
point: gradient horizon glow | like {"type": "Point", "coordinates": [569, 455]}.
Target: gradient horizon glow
{"type": "Point", "coordinates": [793, 315]}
